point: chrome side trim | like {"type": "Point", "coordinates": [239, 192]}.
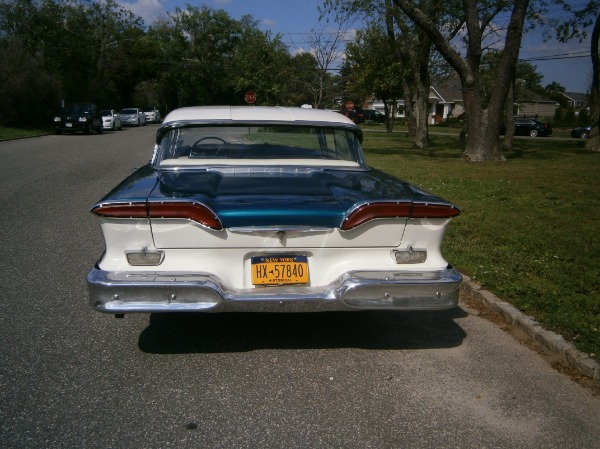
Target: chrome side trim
{"type": "Point", "coordinates": [127, 292]}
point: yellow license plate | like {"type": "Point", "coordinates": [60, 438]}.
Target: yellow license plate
{"type": "Point", "coordinates": [279, 270]}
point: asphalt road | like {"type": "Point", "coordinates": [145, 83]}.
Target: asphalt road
{"type": "Point", "coordinates": [73, 378]}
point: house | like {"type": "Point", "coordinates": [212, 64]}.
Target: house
{"type": "Point", "coordinates": [575, 100]}
{"type": "Point", "coordinates": [531, 104]}
{"type": "Point", "coordinates": [446, 101]}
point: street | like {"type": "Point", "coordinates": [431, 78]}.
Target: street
{"type": "Point", "coordinates": [71, 377]}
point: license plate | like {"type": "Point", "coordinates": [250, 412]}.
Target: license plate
{"type": "Point", "coordinates": [279, 270]}
{"type": "Point", "coordinates": [68, 125]}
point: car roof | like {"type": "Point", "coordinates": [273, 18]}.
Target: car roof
{"type": "Point", "coordinates": [229, 115]}
{"type": "Point", "coordinates": [255, 113]}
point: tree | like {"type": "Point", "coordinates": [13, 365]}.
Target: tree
{"type": "Point", "coordinates": [593, 143]}
{"type": "Point", "coordinates": [411, 48]}
{"type": "Point", "coordinates": [575, 26]}
{"type": "Point", "coordinates": [483, 123]}
{"type": "Point", "coordinates": [260, 62]}
{"type": "Point", "coordinates": [373, 69]}
{"type": "Point", "coordinates": [326, 46]}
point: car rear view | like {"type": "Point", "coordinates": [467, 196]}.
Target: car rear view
{"type": "Point", "coordinates": [268, 209]}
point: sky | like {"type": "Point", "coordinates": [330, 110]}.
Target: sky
{"type": "Point", "coordinates": [294, 19]}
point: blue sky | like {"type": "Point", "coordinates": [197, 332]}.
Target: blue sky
{"type": "Point", "coordinates": [295, 18]}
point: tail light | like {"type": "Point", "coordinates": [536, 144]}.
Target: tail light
{"type": "Point", "coordinates": [192, 211]}
{"type": "Point", "coordinates": [196, 212]}
{"type": "Point", "coordinates": [124, 210]}
{"type": "Point", "coordinates": [372, 211]}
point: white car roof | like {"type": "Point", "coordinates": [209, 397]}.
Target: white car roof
{"type": "Point", "coordinates": [255, 114]}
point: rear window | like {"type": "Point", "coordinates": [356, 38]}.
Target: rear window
{"type": "Point", "coordinates": [285, 144]}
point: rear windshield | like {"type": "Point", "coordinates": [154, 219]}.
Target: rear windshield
{"type": "Point", "coordinates": [297, 145]}
{"type": "Point", "coordinates": [129, 111]}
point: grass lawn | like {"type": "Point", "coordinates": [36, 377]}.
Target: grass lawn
{"type": "Point", "coordinates": [7, 133]}
{"type": "Point", "coordinates": [530, 228]}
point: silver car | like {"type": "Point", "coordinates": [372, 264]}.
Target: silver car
{"type": "Point", "coordinates": [133, 117]}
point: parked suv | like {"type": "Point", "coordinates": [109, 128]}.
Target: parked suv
{"type": "Point", "coordinates": [84, 117]}
{"type": "Point", "coordinates": [152, 114]}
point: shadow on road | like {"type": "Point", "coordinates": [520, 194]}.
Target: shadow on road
{"type": "Point", "coordinates": [240, 332]}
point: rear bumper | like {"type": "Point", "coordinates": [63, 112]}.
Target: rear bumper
{"type": "Point", "coordinates": [128, 292]}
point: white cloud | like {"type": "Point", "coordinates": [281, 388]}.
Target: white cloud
{"type": "Point", "coordinates": [269, 23]}
{"type": "Point", "coordinates": [149, 10]}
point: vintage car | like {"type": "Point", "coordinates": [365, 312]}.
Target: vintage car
{"type": "Point", "coordinates": [268, 209]}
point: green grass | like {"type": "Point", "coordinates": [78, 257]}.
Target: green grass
{"type": "Point", "coordinates": [530, 228]}
{"type": "Point", "coordinates": [7, 133]}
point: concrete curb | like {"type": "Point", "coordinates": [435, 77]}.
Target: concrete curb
{"type": "Point", "coordinates": [553, 344]}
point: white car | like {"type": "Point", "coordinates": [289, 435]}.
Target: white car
{"type": "Point", "coordinates": [133, 117]}
{"type": "Point", "coordinates": [268, 209]}
{"type": "Point", "coordinates": [152, 114]}
{"type": "Point", "coordinates": [111, 120]}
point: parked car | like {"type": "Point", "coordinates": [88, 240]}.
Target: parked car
{"type": "Point", "coordinates": [373, 115]}
{"type": "Point", "coordinates": [111, 120]}
{"type": "Point", "coordinates": [356, 115]}
{"type": "Point", "coordinates": [75, 117]}
{"type": "Point", "coordinates": [268, 209]}
{"type": "Point", "coordinates": [581, 132]}
{"type": "Point", "coordinates": [532, 127]}
{"type": "Point", "coordinates": [152, 114]}
{"type": "Point", "coordinates": [133, 117]}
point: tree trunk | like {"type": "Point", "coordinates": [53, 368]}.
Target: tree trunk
{"type": "Point", "coordinates": [421, 137]}
{"type": "Point", "coordinates": [422, 85]}
{"type": "Point", "coordinates": [409, 114]}
{"type": "Point", "coordinates": [509, 119]}
{"type": "Point", "coordinates": [387, 119]}
{"type": "Point", "coordinates": [593, 143]}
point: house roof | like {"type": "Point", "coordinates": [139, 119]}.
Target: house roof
{"type": "Point", "coordinates": [449, 90]}
{"type": "Point", "coordinates": [527, 96]}
{"type": "Point", "coordinates": [576, 96]}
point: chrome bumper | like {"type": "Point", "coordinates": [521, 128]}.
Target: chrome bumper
{"type": "Point", "coordinates": [128, 292]}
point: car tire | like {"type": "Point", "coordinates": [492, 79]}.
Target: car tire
{"type": "Point", "coordinates": [584, 134]}
{"type": "Point", "coordinates": [533, 133]}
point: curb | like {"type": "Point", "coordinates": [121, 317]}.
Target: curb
{"type": "Point", "coordinates": [551, 343]}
